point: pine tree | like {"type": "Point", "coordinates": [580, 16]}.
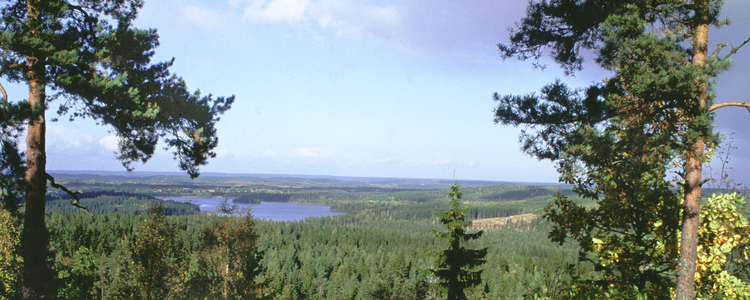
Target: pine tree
{"type": "Point", "coordinates": [88, 55]}
{"type": "Point", "coordinates": [456, 265]}
{"type": "Point", "coordinates": [655, 110]}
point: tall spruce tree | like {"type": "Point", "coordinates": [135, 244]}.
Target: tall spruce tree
{"type": "Point", "coordinates": [616, 139]}
{"type": "Point", "coordinates": [456, 265]}
{"type": "Point", "coordinates": [87, 55]}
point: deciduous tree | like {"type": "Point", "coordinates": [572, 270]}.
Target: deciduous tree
{"type": "Point", "coordinates": [654, 110]}
{"type": "Point", "coordinates": [723, 249]}
{"type": "Point", "coordinates": [87, 55]}
{"type": "Point", "coordinates": [147, 264]}
{"type": "Point", "coordinates": [10, 261]}
{"type": "Point", "coordinates": [228, 261]}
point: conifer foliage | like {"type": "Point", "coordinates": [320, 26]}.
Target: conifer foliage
{"type": "Point", "coordinates": [456, 265]}
{"type": "Point", "coordinates": [617, 140]}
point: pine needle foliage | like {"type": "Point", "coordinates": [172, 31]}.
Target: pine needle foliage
{"type": "Point", "coordinates": [457, 265]}
{"type": "Point", "coordinates": [617, 141]}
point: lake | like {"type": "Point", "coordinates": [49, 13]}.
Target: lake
{"type": "Point", "coordinates": [275, 211]}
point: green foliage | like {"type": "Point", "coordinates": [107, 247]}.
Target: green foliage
{"type": "Point", "coordinates": [315, 260]}
{"type": "Point", "coordinates": [723, 253]}
{"type": "Point", "coordinates": [228, 259]}
{"type": "Point", "coordinates": [376, 252]}
{"type": "Point", "coordinates": [10, 260]}
{"type": "Point", "coordinates": [146, 266]}
{"type": "Point", "coordinates": [617, 140]}
{"type": "Point", "coordinates": [78, 274]}
{"type": "Point", "coordinates": [456, 265]}
{"type": "Point", "coordinates": [124, 256]}
{"type": "Point", "coordinates": [631, 236]}
{"type": "Point", "coordinates": [634, 98]}
{"type": "Point", "coordinates": [108, 202]}
{"type": "Point", "coordinates": [12, 168]}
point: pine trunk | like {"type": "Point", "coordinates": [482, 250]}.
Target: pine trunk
{"type": "Point", "coordinates": [694, 169]}
{"type": "Point", "coordinates": [38, 278]}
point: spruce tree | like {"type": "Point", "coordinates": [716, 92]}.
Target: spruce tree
{"type": "Point", "coordinates": [616, 140]}
{"type": "Point", "coordinates": [87, 55]}
{"type": "Point", "coordinates": [456, 265]}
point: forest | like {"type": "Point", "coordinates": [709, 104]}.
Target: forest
{"type": "Point", "coordinates": [128, 242]}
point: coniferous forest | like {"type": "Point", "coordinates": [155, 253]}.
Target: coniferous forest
{"type": "Point", "coordinates": [128, 244]}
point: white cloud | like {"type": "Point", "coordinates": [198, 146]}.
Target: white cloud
{"type": "Point", "coordinates": [357, 19]}
{"type": "Point", "coordinates": [305, 152]}
{"type": "Point", "coordinates": [110, 142]}
{"type": "Point", "coordinates": [291, 12]}
{"type": "Point", "coordinates": [68, 140]}
{"type": "Point", "coordinates": [202, 17]}
{"type": "Point", "coordinates": [440, 25]}
{"type": "Point", "coordinates": [344, 16]}
{"type": "Point", "coordinates": [223, 152]}
{"type": "Point", "coordinates": [269, 153]}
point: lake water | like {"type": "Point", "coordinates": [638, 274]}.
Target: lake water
{"type": "Point", "coordinates": [275, 211]}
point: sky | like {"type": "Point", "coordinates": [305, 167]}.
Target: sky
{"type": "Point", "coordinates": [363, 88]}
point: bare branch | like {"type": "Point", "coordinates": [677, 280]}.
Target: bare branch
{"type": "Point", "coordinates": [734, 49]}
{"type": "Point", "coordinates": [2, 89]}
{"type": "Point", "coordinates": [5, 95]}
{"type": "Point", "coordinates": [727, 104]}
{"type": "Point", "coordinates": [719, 47]}
{"type": "Point", "coordinates": [75, 200]}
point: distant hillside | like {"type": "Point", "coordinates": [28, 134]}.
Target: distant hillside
{"type": "Point", "coordinates": [289, 179]}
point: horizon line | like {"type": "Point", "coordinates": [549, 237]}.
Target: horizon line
{"type": "Point", "coordinates": [125, 173]}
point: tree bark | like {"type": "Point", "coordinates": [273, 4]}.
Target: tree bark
{"type": "Point", "coordinates": [37, 274]}
{"type": "Point", "coordinates": [693, 172]}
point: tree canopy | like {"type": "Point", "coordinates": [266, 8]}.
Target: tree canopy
{"type": "Point", "coordinates": [617, 140]}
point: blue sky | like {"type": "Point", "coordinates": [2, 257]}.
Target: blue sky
{"type": "Point", "coordinates": [352, 88]}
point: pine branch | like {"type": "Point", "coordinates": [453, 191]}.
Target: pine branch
{"type": "Point", "coordinates": [90, 20]}
{"type": "Point", "coordinates": [75, 200]}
